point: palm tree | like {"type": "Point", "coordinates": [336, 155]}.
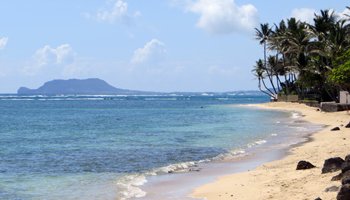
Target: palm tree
{"type": "Point", "coordinates": [259, 72]}
{"type": "Point", "coordinates": [332, 35]}
{"type": "Point", "coordinates": [278, 43]}
{"type": "Point", "coordinates": [263, 35]}
{"type": "Point", "coordinates": [304, 54]}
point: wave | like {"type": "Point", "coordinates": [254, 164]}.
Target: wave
{"type": "Point", "coordinates": [222, 99]}
{"type": "Point", "coordinates": [295, 115]}
{"type": "Point", "coordinates": [160, 99]}
{"type": "Point", "coordinates": [258, 142]}
{"type": "Point", "coordinates": [129, 186]}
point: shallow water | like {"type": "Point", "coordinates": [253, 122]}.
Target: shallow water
{"type": "Point", "coordinates": [93, 147]}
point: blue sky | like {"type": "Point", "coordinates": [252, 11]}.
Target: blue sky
{"type": "Point", "coordinates": [154, 45]}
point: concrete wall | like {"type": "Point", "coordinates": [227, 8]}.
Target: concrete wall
{"type": "Point", "coordinates": [344, 97]}
{"type": "Point", "coordinates": [334, 107]}
{"type": "Point", "coordinates": [288, 98]}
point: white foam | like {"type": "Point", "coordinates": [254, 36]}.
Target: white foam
{"type": "Point", "coordinates": [128, 186]}
{"type": "Point", "coordinates": [180, 167]}
{"type": "Point", "coordinates": [258, 142]}
{"type": "Point", "coordinates": [222, 99]}
{"type": "Point", "coordinates": [160, 99]}
{"type": "Point", "coordinates": [295, 115]}
{"type": "Point", "coordinates": [274, 134]}
{"type": "Point", "coordinates": [300, 128]}
{"type": "Point", "coordinates": [230, 155]}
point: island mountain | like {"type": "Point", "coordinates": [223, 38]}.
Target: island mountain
{"type": "Point", "coordinates": [76, 86]}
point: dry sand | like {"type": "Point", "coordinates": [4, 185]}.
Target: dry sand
{"type": "Point", "coordinates": [280, 179]}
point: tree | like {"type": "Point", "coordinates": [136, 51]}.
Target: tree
{"type": "Point", "coordinates": [263, 35]}
{"type": "Point", "coordinates": [259, 72]}
{"type": "Point", "coordinates": [340, 75]}
{"type": "Point", "coordinates": [307, 56]}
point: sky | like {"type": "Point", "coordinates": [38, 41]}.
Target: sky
{"type": "Point", "coordinates": [151, 45]}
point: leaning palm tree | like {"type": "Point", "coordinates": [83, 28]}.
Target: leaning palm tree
{"type": "Point", "coordinates": [278, 42]}
{"type": "Point", "coordinates": [259, 73]}
{"type": "Point", "coordinates": [263, 35]}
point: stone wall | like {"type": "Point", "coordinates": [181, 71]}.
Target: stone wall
{"type": "Point", "coordinates": [334, 107]}
{"type": "Point", "coordinates": [288, 98]}
{"type": "Point", "coordinates": [344, 97]}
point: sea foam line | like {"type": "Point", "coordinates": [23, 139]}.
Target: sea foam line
{"type": "Point", "coordinates": [129, 185]}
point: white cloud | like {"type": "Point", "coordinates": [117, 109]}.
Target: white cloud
{"type": "Point", "coordinates": [308, 14]}
{"type": "Point", "coordinates": [3, 42]}
{"type": "Point", "coordinates": [152, 52]}
{"type": "Point", "coordinates": [46, 55]}
{"type": "Point", "coordinates": [304, 14]}
{"type": "Point", "coordinates": [224, 16]}
{"type": "Point", "coordinates": [62, 55]}
{"type": "Point", "coordinates": [344, 14]}
{"type": "Point", "coordinates": [115, 11]}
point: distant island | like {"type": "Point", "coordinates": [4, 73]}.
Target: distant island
{"type": "Point", "coordinates": [77, 86]}
{"type": "Point", "coordinates": [95, 86]}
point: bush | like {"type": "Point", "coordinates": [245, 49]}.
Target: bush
{"type": "Point", "coordinates": [341, 75]}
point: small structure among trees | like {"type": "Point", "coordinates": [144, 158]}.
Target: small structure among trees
{"type": "Point", "coordinates": [308, 60]}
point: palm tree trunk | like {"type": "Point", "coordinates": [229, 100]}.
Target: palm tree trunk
{"type": "Point", "coordinates": [271, 93]}
{"type": "Point", "coordinates": [278, 82]}
{"type": "Point", "coordinates": [269, 74]}
{"type": "Point", "coordinates": [285, 74]}
{"type": "Point", "coordinates": [263, 91]}
{"type": "Point", "coordinates": [286, 84]}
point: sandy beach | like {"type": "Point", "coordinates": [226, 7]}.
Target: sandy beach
{"type": "Point", "coordinates": [280, 179]}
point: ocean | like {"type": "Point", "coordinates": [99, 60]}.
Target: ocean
{"type": "Point", "coordinates": [106, 147]}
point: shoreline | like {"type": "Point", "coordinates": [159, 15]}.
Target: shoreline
{"type": "Point", "coordinates": [279, 179]}
{"type": "Point", "coordinates": [263, 150]}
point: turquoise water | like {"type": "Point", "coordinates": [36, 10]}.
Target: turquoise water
{"type": "Point", "coordinates": [83, 147]}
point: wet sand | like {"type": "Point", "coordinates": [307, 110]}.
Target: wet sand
{"type": "Point", "coordinates": [280, 179]}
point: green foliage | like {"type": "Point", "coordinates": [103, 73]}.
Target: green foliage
{"type": "Point", "coordinates": [341, 75]}
{"type": "Point", "coordinates": [343, 58]}
{"type": "Point", "coordinates": [307, 59]}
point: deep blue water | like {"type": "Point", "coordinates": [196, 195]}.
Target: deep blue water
{"type": "Point", "coordinates": [68, 147]}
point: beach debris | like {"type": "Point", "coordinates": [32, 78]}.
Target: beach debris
{"type": "Point", "coordinates": [344, 193]}
{"type": "Point", "coordinates": [348, 125]}
{"type": "Point", "coordinates": [318, 198]}
{"type": "Point", "coordinates": [335, 129]}
{"type": "Point", "coordinates": [304, 165]}
{"type": "Point", "coordinates": [332, 165]}
{"type": "Point", "coordinates": [332, 189]}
